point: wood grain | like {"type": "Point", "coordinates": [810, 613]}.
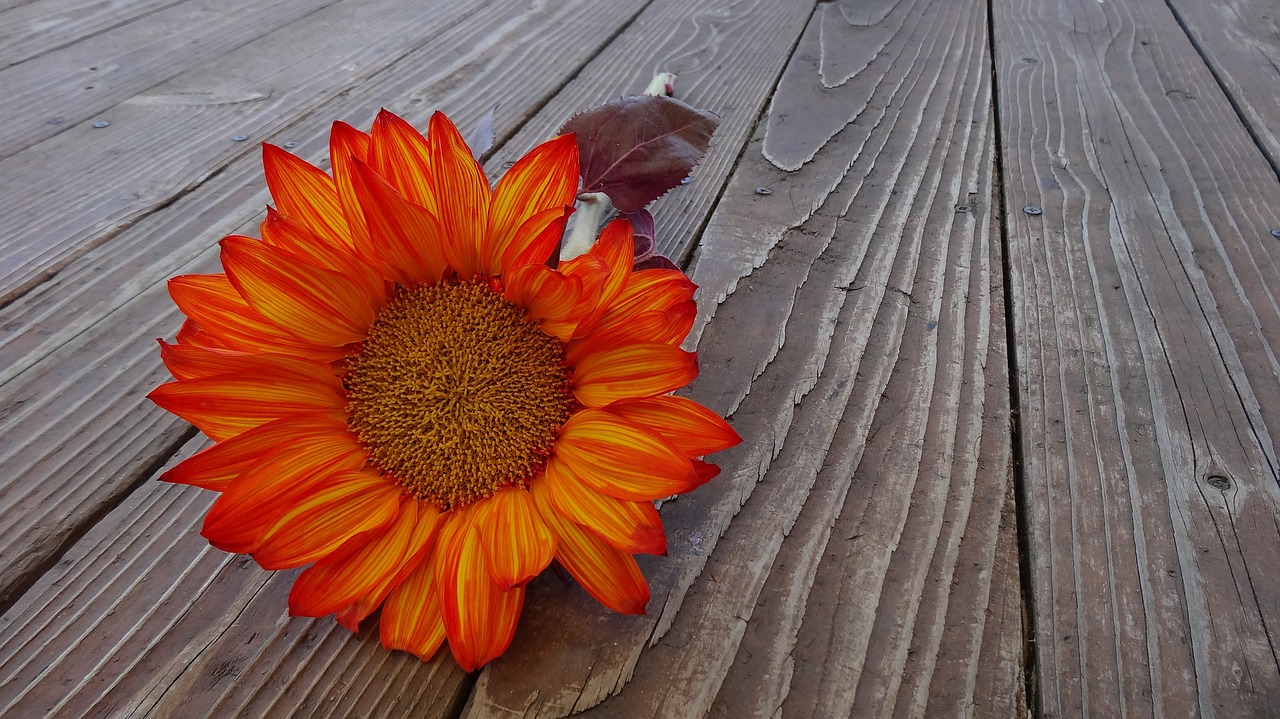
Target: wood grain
{"type": "Point", "coordinates": [109, 307]}
{"type": "Point", "coordinates": [41, 26]}
{"type": "Point", "coordinates": [1237, 38]}
{"type": "Point", "coordinates": [1146, 326]}
{"type": "Point", "coordinates": [854, 277]}
{"type": "Point", "coordinates": [178, 133]}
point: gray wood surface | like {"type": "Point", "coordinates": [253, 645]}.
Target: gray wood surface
{"type": "Point", "coordinates": [1145, 331]}
{"type": "Point", "coordinates": [907, 530]}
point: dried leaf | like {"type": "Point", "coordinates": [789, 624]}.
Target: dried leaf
{"type": "Point", "coordinates": [481, 137]}
{"type": "Point", "coordinates": [646, 241]}
{"type": "Point", "coordinates": [637, 148]}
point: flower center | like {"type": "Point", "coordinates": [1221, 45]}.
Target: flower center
{"type": "Point", "coordinates": [456, 394]}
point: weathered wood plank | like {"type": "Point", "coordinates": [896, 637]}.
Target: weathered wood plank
{"type": "Point", "coordinates": [43, 25]}
{"type": "Point", "coordinates": [64, 88]}
{"type": "Point", "coordinates": [1146, 326]}
{"type": "Point", "coordinates": [178, 133]}
{"type": "Point", "coordinates": [109, 307]}
{"type": "Point", "coordinates": [1238, 40]}
{"type": "Point", "coordinates": [815, 317]}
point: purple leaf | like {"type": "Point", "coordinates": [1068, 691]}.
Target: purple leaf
{"type": "Point", "coordinates": [655, 262]}
{"type": "Point", "coordinates": [481, 137]}
{"type": "Point", "coordinates": [637, 148]}
{"type": "Point", "coordinates": [642, 229]}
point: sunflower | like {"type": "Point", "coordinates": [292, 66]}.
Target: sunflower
{"type": "Point", "coordinates": [407, 392]}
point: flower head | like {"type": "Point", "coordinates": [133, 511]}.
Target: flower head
{"type": "Point", "coordinates": [408, 393]}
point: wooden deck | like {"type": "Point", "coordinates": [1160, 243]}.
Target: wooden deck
{"type": "Point", "coordinates": [989, 288]}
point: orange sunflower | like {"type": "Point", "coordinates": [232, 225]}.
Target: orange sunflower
{"type": "Point", "coordinates": [409, 394]}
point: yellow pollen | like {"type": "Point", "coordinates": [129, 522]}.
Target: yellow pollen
{"type": "Point", "coordinates": [456, 393]}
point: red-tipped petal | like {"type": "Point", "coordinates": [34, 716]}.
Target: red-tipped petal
{"type": "Point", "coordinates": [464, 194]}
{"type": "Point", "coordinates": [290, 236]}
{"type": "Point", "coordinates": [607, 372]}
{"type": "Point", "coordinates": [319, 305]}
{"type": "Point", "coordinates": [548, 297]}
{"type": "Point", "coordinates": [226, 405]}
{"type": "Point", "coordinates": [404, 239]}
{"type": "Point", "coordinates": [348, 145]}
{"type": "Point", "coordinates": [621, 459]}
{"type": "Point", "coordinates": [400, 153]}
{"type": "Point", "coordinates": [690, 427]}
{"type": "Point", "coordinates": [536, 239]}
{"type": "Point", "coordinates": [275, 485]}
{"type": "Point", "coordinates": [615, 250]}
{"type": "Point", "coordinates": [335, 511]}
{"type": "Point", "coordinates": [544, 180]}
{"type": "Point", "coordinates": [411, 619]}
{"type": "Point", "coordinates": [479, 617]}
{"type": "Point", "coordinates": [216, 467]}
{"type": "Point", "coordinates": [517, 543]}
{"type": "Point", "coordinates": [216, 306]}
{"type": "Point", "coordinates": [649, 290]}
{"type": "Point", "coordinates": [668, 326]}
{"type": "Point", "coordinates": [420, 544]}
{"type": "Point", "coordinates": [632, 527]}
{"type": "Point", "coordinates": [304, 193]}
{"type": "Point", "coordinates": [609, 575]}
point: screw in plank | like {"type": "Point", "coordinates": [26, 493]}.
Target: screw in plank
{"type": "Point", "coordinates": [239, 138]}
{"type": "Point", "coordinates": [763, 191]}
{"type": "Point", "coordinates": [290, 144]}
{"type": "Point", "coordinates": [1030, 60]}
{"type": "Point", "coordinates": [686, 180]}
{"type": "Point", "coordinates": [1219, 482]}
{"type": "Point", "coordinates": [962, 208]}
{"type": "Point", "coordinates": [101, 124]}
{"type": "Point", "coordinates": [1275, 233]}
{"type": "Point", "coordinates": [1032, 210]}
{"type": "Point", "coordinates": [56, 121]}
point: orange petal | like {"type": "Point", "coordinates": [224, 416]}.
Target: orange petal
{"type": "Point", "coordinates": [305, 193]}
{"type": "Point", "coordinates": [217, 466]}
{"type": "Point", "coordinates": [479, 617]}
{"type": "Point", "coordinates": [536, 239]}
{"type": "Point", "coordinates": [275, 485]}
{"type": "Point", "coordinates": [192, 334]}
{"type": "Point", "coordinates": [633, 527]}
{"type": "Point", "coordinates": [649, 290]}
{"type": "Point", "coordinates": [420, 544]}
{"type": "Point", "coordinates": [687, 425]}
{"type": "Point", "coordinates": [621, 459]}
{"type": "Point", "coordinates": [348, 145]}
{"type": "Point", "coordinates": [546, 179]}
{"type": "Point", "coordinates": [337, 509]}
{"type": "Point", "coordinates": [219, 310]}
{"type": "Point", "coordinates": [615, 248]}
{"type": "Point", "coordinates": [399, 153]}
{"type": "Point", "coordinates": [516, 542]}
{"type": "Point", "coordinates": [286, 234]}
{"type": "Point", "coordinates": [464, 192]}
{"type": "Point", "coordinates": [411, 620]}
{"type": "Point", "coordinates": [345, 576]}
{"type": "Point", "coordinates": [319, 305]}
{"type": "Point", "coordinates": [667, 326]}
{"type": "Point", "coordinates": [548, 297]}
{"type": "Point", "coordinates": [226, 405]}
{"type": "Point", "coordinates": [192, 362]}
{"type": "Point", "coordinates": [606, 372]}
{"type": "Point", "coordinates": [609, 575]}
{"type": "Point", "coordinates": [404, 239]}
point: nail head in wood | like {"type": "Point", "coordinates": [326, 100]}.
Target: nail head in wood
{"type": "Point", "coordinates": [239, 138]}
{"type": "Point", "coordinates": [291, 144]}
{"type": "Point", "coordinates": [1032, 210]}
{"type": "Point", "coordinates": [1219, 482]}
{"type": "Point", "coordinates": [1275, 233]}
{"type": "Point", "coordinates": [763, 191]}
{"type": "Point", "coordinates": [101, 124]}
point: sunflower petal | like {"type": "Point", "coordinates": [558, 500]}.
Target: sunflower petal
{"type": "Point", "coordinates": [217, 466]}
{"type": "Point", "coordinates": [536, 239]}
{"type": "Point", "coordinates": [687, 425]}
{"type": "Point", "coordinates": [649, 290]}
{"type": "Point", "coordinates": [609, 575]}
{"type": "Point", "coordinates": [667, 326]}
{"type": "Point", "coordinates": [339, 580]}
{"type": "Point", "coordinates": [546, 179]}
{"type": "Point", "coordinates": [548, 297]}
{"type": "Point", "coordinates": [336, 510]}
{"type": "Point", "coordinates": [400, 153]}
{"type": "Point", "coordinates": [348, 145]}
{"type": "Point", "coordinates": [411, 619]}
{"type": "Point", "coordinates": [420, 544]}
{"type": "Point", "coordinates": [606, 372]}
{"type": "Point", "coordinates": [516, 542]}
{"type": "Point", "coordinates": [276, 484]}
{"type": "Point", "coordinates": [615, 250]}
{"type": "Point", "coordinates": [479, 617]}
{"type": "Point", "coordinates": [633, 527]}
{"type": "Point", "coordinates": [213, 303]}
{"type": "Point", "coordinates": [620, 459]}
{"type": "Point", "coordinates": [319, 305]}
{"type": "Point", "coordinates": [290, 236]}
{"type": "Point", "coordinates": [458, 177]}
{"type": "Point", "coordinates": [305, 193]}
{"type": "Point", "coordinates": [224, 406]}
{"type": "Point", "coordinates": [404, 239]}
